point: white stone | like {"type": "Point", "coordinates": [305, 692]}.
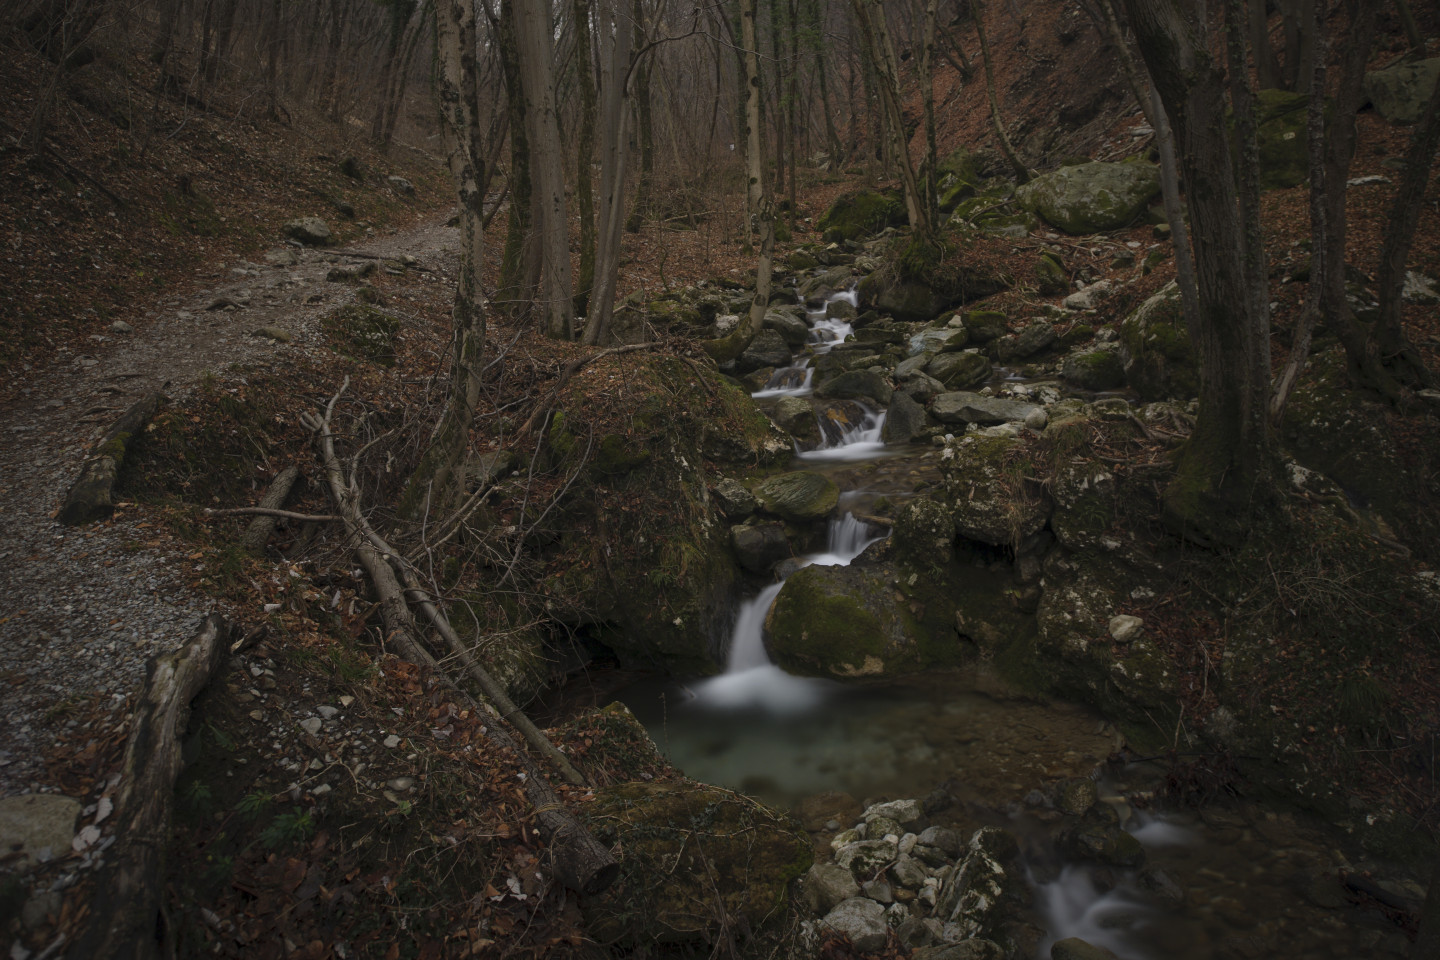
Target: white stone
{"type": "Point", "coordinates": [327, 713]}
{"type": "Point", "coordinates": [862, 920]}
{"type": "Point", "coordinates": [903, 812]}
{"type": "Point", "coordinates": [392, 741]}
{"type": "Point", "coordinates": [1125, 628]}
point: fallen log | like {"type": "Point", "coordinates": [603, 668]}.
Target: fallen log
{"type": "Point", "coordinates": [580, 861]}
{"type": "Point", "coordinates": [260, 529]}
{"type": "Point", "coordinates": [125, 917]}
{"type": "Point", "coordinates": [92, 496]}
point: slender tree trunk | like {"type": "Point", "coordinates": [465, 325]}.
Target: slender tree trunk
{"type": "Point", "coordinates": [1225, 471]}
{"type": "Point", "coordinates": [614, 49]}
{"type": "Point", "coordinates": [534, 44]}
{"type": "Point", "coordinates": [792, 98]}
{"type": "Point", "coordinates": [585, 172]}
{"type": "Point", "coordinates": [1022, 172]}
{"type": "Point", "coordinates": [923, 69]}
{"type": "Point", "coordinates": [1267, 67]}
{"type": "Point", "coordinates": [644, 128]}
{"type": "Point", "coordinates": [777, 105]}
{"type": "Point", "coordinates": [816, 25]}
{"type": "Point", "coordinates": [438, 475]}
{"type": "Point", "coordinates": [520, 260]}
{"type": "Point", "coordinates": [882, 52]}
{"type": "Point", "coordinates": [1242, 99]}
{"type": "Point", "coordinates": [1407, 23]}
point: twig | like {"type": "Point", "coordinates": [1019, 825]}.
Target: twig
{"type": "Point", "coordinates": [267, 512]}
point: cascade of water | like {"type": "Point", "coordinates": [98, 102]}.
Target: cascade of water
{"type": "Point", "coordinates": [1074, 907]}
{"type": "Point", "coordinates": [856, 441]}
{"type": "Point", "coordinates": [797, 379]}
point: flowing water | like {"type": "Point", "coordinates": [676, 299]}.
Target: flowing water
{"type": "Point", "coordinates": [1255, 883]}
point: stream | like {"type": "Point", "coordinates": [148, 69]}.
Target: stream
{"type": "Point", "coordinates": [1240, 880]}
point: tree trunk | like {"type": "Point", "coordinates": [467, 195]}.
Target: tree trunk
{"type": "Point", "coordinates": [125, 918]}
{"type": "Point", "coordinates": [1242, 99]}
{"type": "Point", "coordinates": [534, 45]}
{"type": "Point", "coordinates": [456, 85]}
{"type": "Point", "coordinates": [1225, 471]}
{"type": "Point", "coordinates": [792, 98]}
{"type": "Point", "coordinates": [923, 69]}
{"type": "Point", "coordinates": [757, 200]}
{"type": "Point", "coordinates": [1407, 23]}
{"type": "Point", "coordinates": [644, 128]}
{"type": "Point", "coordinates": [1267, 67]}
{"type": "Point", "coordinates": [585, 163]}
{"type": "Point", "coordinates": [1022, 172]}
{"type": "Point", "coordinates": [1427, 939]}
{"type": "Point", "coordinates": [519, 261]}
{"type": "Point", "coordinates": [614, 48]}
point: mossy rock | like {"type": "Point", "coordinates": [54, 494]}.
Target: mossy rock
{"type": "Point", "coordinates": [1280, 118]}
{"type": "Point", "coordinates": [1160, 362]}
{"type": "Point", "coordinates": [708, 845]}
{"type": "Point", "coordinates": [363, 332]}
{"type": "Point", "coordinates": [959, 371]}
{"type": "Point", "coordinates": [800, 496]}
{"type": "Point", "coordinates": [675, 313]}
{"type": "Point", "coordinates": [801, 259]}
{"type": "Point", "coordinates": [985, 325]}
{"type": "Point", "coordinates": [861, 213]}
{"type": "Point", "coordinates": [990, 483]}
{"type": "Point", "coordinates": [1050, 275]}
{"type": "Point", "coordinates": [1092, 197]}
{"type": "Point", "coordinates": [908, 300]}
{"type": "Point", "coordinates": [1400, 91]}
{"type": "Point", "coordinates": [1094, 370]}
{"type": "Point", "coordinates": [617, 455]}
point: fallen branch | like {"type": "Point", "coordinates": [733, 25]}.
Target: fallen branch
{"type": "Point", "coordinates": [125, 919]}
{"type": "Point", "coordinates": [278, 514]}
{"type": "Point", "coordinates": [92, 496]}
{"type": "Point", "coordinates": [260, 529]}
{"type": "Point", "coordinates": [580, 861]}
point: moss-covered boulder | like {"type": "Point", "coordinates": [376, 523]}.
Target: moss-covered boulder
{"type": "Point", "coordinates": [1038, 335]}
{"type": "Point", "coordinates": [1399, 92]}
{"type": "Point", "coordinates": [1280, 134]}
{"type": "Point", "coordinates": [1094, 370]}
{"type": "Point", "coordinates": [1160, 362]}
{"type": "Point", "coordinates": [693, 856]}
{"type": "Point", "coordinates": [857, 384]}
{"type": "Point", "coordinates": [985, 325]}
{"type": "Point", "coordinates": [861, 213]}
{"type": "Point", "coordinates": [362, 332]}
{"type": "Point", "coordinates": [1085, 494]}
{"type": "Point", "coordinates": [1091, 197]}
{"type": "Point", "coordinates": [909, 300]}
{"type": "Point", "coordinates": [959, 371]}
{"type": "Point", "coordinates": [1050, 275]}
{"type": "Point", "coordinates": [990, 483]}
{"type": "Point", "coordinates": [801, 496]}
{"type": "Point", "coordinates": [768, 348]}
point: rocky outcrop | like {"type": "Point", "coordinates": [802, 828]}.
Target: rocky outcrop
{"type": "Point", "coordinates": [959, 371]}
{"type": "Point", "coordinates": [961, 407]}
{"type": "Point", "coordinates": [1399, 92]}
{"type": "Point", "coordinates": [1091, 197]}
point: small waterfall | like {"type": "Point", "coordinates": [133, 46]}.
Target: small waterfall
{"type": "Point", "coordinates": [856, 441]}
{"type": "Point", "coordinates": [750, 680]}
{"type": "Point", "coordinates": [797, 380]}
{"type": "Point", "coordinates": [1074, 907]}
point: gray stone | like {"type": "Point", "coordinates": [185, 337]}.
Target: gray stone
{"type": "Point", "coordinates": [312, 725]}
{"type": "Point", "coordinates": [1103, 842]}
{"type": "Point", "coordinates": [865, 858]}
{"type": "Point", "coordinates": [987, 884]}
{"type": "Point", "coordinates": [911, 365]}
{"type": "Point", "coordinates": [959, 371]}
{"type": "Point", "coordinates": [120, 326]}
{"type": "Point", "coordinates": [1076, 796]}
{"type": "Point", "coordinates": [840, 310]}
{"type": "Point", "coordinates": [1125, 628]}
{"type": "Point", "coordinates": [1090, 197]}
{"type": "Point", "coordinates": [915, 932]}
{"type": "Point", "coordinates": [857, 384]}
{"type": "Point", "coordinates": [909, 872]}
{"type": "Point", "coordinates": [1090, 297]}
{"type": "Point", "coordinates": [1073, 948]}
{"type": "Point", "coordinates": [38, 826]}
{"type": "Point", "coordinates": [759, 546]}
{"type": "Point", "coordinates": [863, 921]}
{"type": "Point", "coordinates": [952, 842]}
{"type": "Point", "coordinates": [982, 326]}
{"type": "Point", "coordinates": [826, 885]}
{"type": "Point", "coordinates": [735, 501]}
{"type": "Point", "coordinates": [878, 828]}
{"type": "Point", "coordinates": [1400, 92]}
{"type": "Point", "coordinates": [791, 328]}
{"type": "Point", "coordinates": [401, 186]}
{"type": "Point", "coordinates": [904, 421]}
{"type": "Point", "coordinates": [1159, 885]}
{"type": "Point", "coordinates": [878, 890]}
{"type": "Point", "coordinates": [941, 340]}
{"type": "Point", "coordinates": [308, 230]}
{"type": "Point", "coordinates": [921, 387]}
{"type": "Point", "coordinates": [961, 407]}
{"type": "Point", "coordinates": [1037, 419]}
{"type": "Point", "coordinates": [799, 496]}
{"type": "Point", "coordinates": [1028, 342]}
{"type": "Point", "coordinates": [767, 349]}
{"type": "Point", "coordinates": [903, 812]}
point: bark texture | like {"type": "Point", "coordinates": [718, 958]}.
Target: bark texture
{"type": "Point", "coordinates": [92, 496]}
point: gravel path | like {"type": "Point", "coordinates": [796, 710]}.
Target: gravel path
{"type": "Point", "coordinates": [85, 607]}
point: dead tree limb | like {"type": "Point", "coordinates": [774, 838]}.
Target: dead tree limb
{"type": "Point", "coordinates": [260, 529]}
{"type": "Point", "coordinates": [125, 918]}
{"type": "Point", "coordinates": [92, 496]}
{"type": "Point", "coordinates": [277, 514]}
{"type": "Point", "coordinates": [580, 861]}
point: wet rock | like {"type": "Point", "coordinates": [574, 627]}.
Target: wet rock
{"type": "Point", "coordinates": [308, 230]}
{"type": "Point", "coordinates": [989, 884]}
{"type": "Point", "coordinates": [767, 349]}
{"type": "Point", "coordinates": [794, 330]}
{"type": "Point", "coordinates": [1098, 839]}
{"type": "Point", "coordinates": [952, 842]}
{"type": "Point", "coordinates": [735, 501]}
{"type": "Point", "coordinates": [1028, 342]}
{"type": "Point", "coordinates": [1073, 948]}
{"type": "Point", "coordinates": [862, 920]}
{"type": "Point", "coordinates": [1094, 370]}
{"type": "Point", "coordinates": [799, 496]}
{"type": "Point", "coordinates": [837, 417]}
{"type": "Point", "coordinates": [912, 365]}
{"type": "Point", "coordinates": [1090, 197]}
{"type": "Point", "coordinates": [904, 421]}
{"type": "Point", "coordinates": [750, 855]}
{"type": "Point", "coordinates": [759, 546]}
{"type": "Point", "coordinates": [840, 310]}
{"type": "Point", "coordinates": [948, 339]}
{"type": "Point", "coordinates": [1159, 885]}
{"type": "Point", "coordinates": [922, 388]}
{"type": "Point", "coordinates": [961, 407]}
{"type": "Point", "coordinates": [39, 827]}
{"type": "Point", "coordinates": [1075, 797]}
{"type": "Point", "coordinates": [857, 384]}
{"type": "Point", "coordinates": [796, 417]}
{"type": "Point", "coordinates": [959, 371]}
{"type": "Point", "coordinates": [1400, 92]}
{"type": "Point", "coordinates": [827, 884]}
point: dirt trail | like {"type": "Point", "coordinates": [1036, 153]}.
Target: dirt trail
{"type": "Point", "coordinates": [85, 607]}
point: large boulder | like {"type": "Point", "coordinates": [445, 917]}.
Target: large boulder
{"type": "Point", "coordinates": [908, 300]}
{"type": "Point", "coordinates": [759, 546]}
{"type": "Point", "coordinates": [793, 329]}
{"type": "Point", "coordinates": [861, 920]}
{"type": "Point", "coordinates": [1400, 92]}
{"type": "Point", "coordinates": [1094, 370]}
{"type": "Point", "coordinates": [904, 421]}
{"type": "Point", "coordinates": [826, 885]}
{"type": "Point", "coordinates": [861, 213]}
{"type": "Point", "coordinates": [1091, 197]}
{"type": "Point", "coordinates": [1159, 360]}
{"type": "Point", "coordinates": [946, 339]}
{"type": "Point", "coordinates": [724, 857]}
{"type": "Point", "coordinates": [1028, 342]}
{"type": "Point", "coordinates": [982, 326]}
{"type": "Point", "coordinates": [988, 482]}
{"type": "Point", "coordinates": [799, 496]}
{"type": "Point", "coordinates": [988, 888]}
{"type": "Point", "coordinates": [767, 349]}
{"type": "Point", "coordinates": [961, 407]}
{"type": "Point", "coordinates": [308, 230]}
{"type": "Point", "coordinates": [857, 385]}
{"type": "Point", "coordinates": [959, 371]}
{"type": "Point", "coordinates": [796, 417]}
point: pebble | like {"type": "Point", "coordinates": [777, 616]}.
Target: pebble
{"type": "Point", "coordinates": [311, 725]}
{"type": "Point", "coordinates": [392, 741]}
{"type": "Point", "coordinates": [327, 713]}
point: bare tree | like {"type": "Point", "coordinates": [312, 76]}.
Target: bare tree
{"type": "Point", "coordinates": [615, 38]}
